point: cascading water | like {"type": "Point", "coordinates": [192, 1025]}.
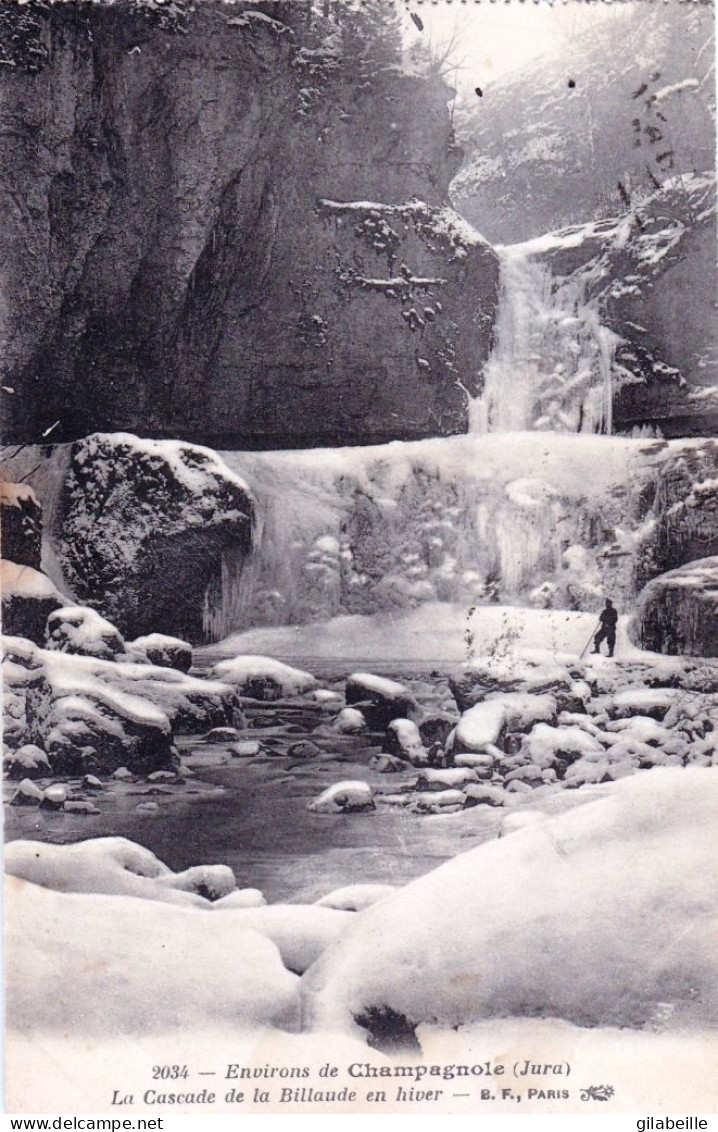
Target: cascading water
{"type": "Point", "coordinates": [551, 366]}
{"type": "Point", "coordinates": [550, 372]}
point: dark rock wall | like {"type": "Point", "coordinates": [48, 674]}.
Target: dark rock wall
{"type": "Point", "coordinates": [678, 612]}
{"type": "Point", "coordinates": [683, 513]}
{"type": "Point", "coordinates": [167, 270]}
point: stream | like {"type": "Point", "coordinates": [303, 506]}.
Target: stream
{"type": "Point", "coordinates": [250, 813]}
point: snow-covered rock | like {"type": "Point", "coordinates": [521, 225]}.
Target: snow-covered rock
{"type": "Point", "coordinates": [79, 630]}
{"type": "Point", "coordinates": [524, 670]}
{"type": "Point", "coordinates": [437, 801]}
{"type": "Point", "coordinates": [162, 651]}
{"type": "Point", "coordinates": [98, 967]}
{"type": "Point", "coordinates": [94, 715]}
{"type": "Point", "coordinates": [403, 740]}
{"type": "Point", "coordinates": [483, 794]}
{"type": "Point", "coordinates": [54, 796]}
{"type": "Point", "coordinates": [115, 866]}
{"type": "Point", "coordinates": [482, 763]}
{"type": "Point", "coordinates": [245, 749]}
{"type": "Point", "coordinates": [263, 678]}
{"type": "Point", "coordinates": [547, 746]}
{"type": "Point", "coordinates": [381, 700]}
{"type": "Point", "coordinates": [651, 702]}
{"type": "Point", "coordinates": [21, 523]}
{"type": "Point", "coordinates": [81, 722]}
{"type": "Point", "coordinates": [343, 797]}
{"type": "Point", "coordinates": [145, 523]}
{"type": "Point", "coordinates": [29, 761]}
{"type": "Point", "coordinates": [81, 806]}
{"type": "Point", "coordinates": [28, 597]}
{"type": "Point", "coordinates": [479, 729]}
{"type": "Point", "coordinates": [356, 897]}
{"type": "Point", "coordinates": [27, 794]}
{"type": "Point", "coordinates": [450, 778]}
{"type": "Point", "coordinates": [593, 900]}
{"type": "Point", "coordinates": [325, 696]}
{"type": "Point", "coordinates": [222, 735]}
{"type": "Point", "coordinates": [387, 764]}
{"type": "Point", "coordinates": [523, 709]}
{"type": "Point", "coordinates": [678, 611]}
{"type": "Point", "coordinates": [350, 721]}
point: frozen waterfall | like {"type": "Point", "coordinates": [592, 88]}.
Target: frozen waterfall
{"type": "Point", "coordinates": [550, 368]}
{"type": "Point", "coordinates": [468, 520]}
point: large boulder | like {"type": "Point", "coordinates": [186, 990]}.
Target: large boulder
{"type": "Point", "coordinates": [20, 524]}
{"type": "Point", "coordinates": [28, 599]}
{"type": "Point", "coordinates": [678, 612]}
{"type": "Point", "coordinates": [146, 525]}
{"type": "Point", "coordinates": [93, 715]}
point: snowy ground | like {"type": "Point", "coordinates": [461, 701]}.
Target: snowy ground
{"type": "Point", "coordinates": [436, 633]}
{"type": "Point", "coordinates": [578, 926]}
{"type": "Point", "coordinates": [630, 943]}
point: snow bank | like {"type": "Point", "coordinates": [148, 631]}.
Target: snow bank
{"type": "Point", "coordinates": [356, 897]}
{"type": "Point", "coordinates": [115, 866]}
{"type": "Point", "coordinates": [604, 915]}
{"type": "Point", "coordinates": [262, 678]}
{"type": "Point", "coordinates": [434, 633]}
{"type": "Point", "coordinates": [91, 966]}
{"type": "Point", "coordinates": [302, 932]}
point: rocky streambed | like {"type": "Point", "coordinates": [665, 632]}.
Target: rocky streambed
{"type": "Point", "coordinates": [366, 780]}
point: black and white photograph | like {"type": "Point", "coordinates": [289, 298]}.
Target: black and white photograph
{"type": "Point", "coordinates": [359, 501]}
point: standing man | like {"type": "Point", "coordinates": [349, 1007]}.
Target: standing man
{"type": "Point", "coordinates": [607, 628]}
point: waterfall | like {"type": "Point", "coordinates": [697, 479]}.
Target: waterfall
{"type": "Point", "coordinates": [551, 366]}
{"type": "Point", "coordinates": [468, 520]}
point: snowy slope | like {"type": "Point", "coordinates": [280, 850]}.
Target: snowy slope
{"type": "Point", "coordinates": [629, 103]}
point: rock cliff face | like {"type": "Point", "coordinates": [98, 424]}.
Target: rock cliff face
{"type": "Point", "coordinates": [169, 267]}
{"type": "Point", "coordinates": [678, 612]}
